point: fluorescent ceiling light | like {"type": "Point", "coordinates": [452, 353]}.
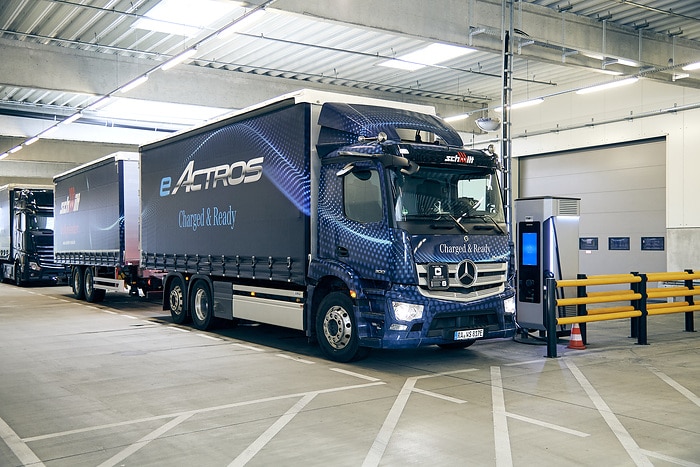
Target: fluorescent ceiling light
{"type": "Point", "coordinates": [15, 149]}
{"type": "Point", "coordinates": [31, 141]}
{"type": "Point", "coordinates": [246, 21]}
{"type": "Point", "coordinates": [430, 55]}
{"type": "Point", "coordinates": [627, 62]}
{"type": "Point", "coordinates": [184, 17]}
{"type": "Point", "coordinates": [456, 118]}
{"type": "Point", "coordinates": [158, 112]}
{"type": "Point", "coordinates": [692, 66]}
{"type": "Point", "coordinates": [611, 85]}
{"type": "Point", "coordinates": [523, 104]}
{"type": "Point", "coordinates": [137, 82]}
{"type": "Point", "coordinates": [71, 119]}
{"type": "Point", "coordinates": [607, 72]}
{"type": "Point", "coordinates": [177, 59]}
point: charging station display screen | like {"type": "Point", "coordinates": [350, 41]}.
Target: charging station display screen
{"type": "Point", "coordinates": [529, 249]}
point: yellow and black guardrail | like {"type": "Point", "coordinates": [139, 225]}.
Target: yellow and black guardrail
{"type": "Point", "coordinates": [636, 299]}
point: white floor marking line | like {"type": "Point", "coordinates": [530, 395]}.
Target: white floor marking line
{"type": "Point", "coordinates": [684, 391]}
{"type": "Point", "coordinates": [18, 447]}
{"type": "Point", "coordinates": [155, 434]}
{"type": "Point", "coordinates": [249, 347]}
{"type": "Point", "coordinates": [175, 328]}
{"type": "Point", "coordinates": [374, 456]}
{"type": "Point", "coordinates": [104, 311]}
{"type": "Point", "coordinates": [439, 396]}
{"type": "Point", "coordinates": [356, 375]}
{"type": "Point", "coordinates": [617, 428]}
{"type": "Point", "coordinates": [504, 457]}
{"type": "Point", "coordinates": [529, 362]}
{"type": "Point", "coordinates": [300, 360]}
{"type": "Point", "coordinates": [551, 426]}
{"type": "Point", "coordinates": [250, 452]}
{"type": "Point", "coordinates": [198, 411]}
{"type": "Point", "coordinates": [209, 337]}
{"type": "Point", "coordinates": [672, 460]}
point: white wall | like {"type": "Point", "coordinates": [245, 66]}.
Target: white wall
{"type": "Point", "coordinates": [560, 119]}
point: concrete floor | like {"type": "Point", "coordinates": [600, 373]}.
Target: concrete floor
{"type": "Point", "coordinates": [116, 384]}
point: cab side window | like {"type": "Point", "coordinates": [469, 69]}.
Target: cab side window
{"type": "Point", "coordinates": [363, 196]}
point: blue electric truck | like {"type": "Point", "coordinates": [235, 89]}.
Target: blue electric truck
{"type": "Point", "coordinates": [365, 223]}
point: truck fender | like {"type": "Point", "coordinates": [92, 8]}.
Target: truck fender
{"type": "Point", "coordinates": [331, 276]}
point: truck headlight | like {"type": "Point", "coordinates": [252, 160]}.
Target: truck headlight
{"type": "Point", "coordinates": [509, 305]}
{"type": "Point", "coordinates": [407, 311]}
{"type": "Point", "coordinates": [34, 266]}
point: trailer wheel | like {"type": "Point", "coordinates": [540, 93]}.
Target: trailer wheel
{"type": "Point", "coordinates": [77, 282]}
{"type": "Point", "coordinates": [336, 329]}
{"type": "Point", "coordinates": [92, 294]}
{"type": "Point", "coordinates": [176, 301]}
{"type": "Point", "coordinates": [457, 345]}
{"type": "Point", "coordinates": [201, 306]}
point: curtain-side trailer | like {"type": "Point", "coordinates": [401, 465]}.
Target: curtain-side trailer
{"type": "Point", "coordinates": [97, 227]}
{"type": "Point", "coordinates": [364, 223]}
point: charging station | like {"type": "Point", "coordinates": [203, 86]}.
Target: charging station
{"type": "Point", "coordinates": [547, 246]}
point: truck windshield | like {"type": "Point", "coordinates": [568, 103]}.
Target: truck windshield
{"type": "Point", "coordinates": [440, 199]}
{"type": "Point", "coordinates": [40, 221]}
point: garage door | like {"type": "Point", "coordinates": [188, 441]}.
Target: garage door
{"type": "Point", "coordinates": [623, 201]}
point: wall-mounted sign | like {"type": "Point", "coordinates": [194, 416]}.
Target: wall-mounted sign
{"type": "Point", "coordinates": [652, 243]}
{"type": "Point", "coordinates": [618, 243]}
{"type": "Point", "coordinates": [588, 243]}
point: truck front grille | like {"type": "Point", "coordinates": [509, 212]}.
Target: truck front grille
{"type": "Point", "coordinates": [491, 280]}
{"type": "Point", "coordinates": [45, 254]}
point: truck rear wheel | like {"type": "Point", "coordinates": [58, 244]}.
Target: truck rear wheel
{"type": "Point", "coordinates": [336, 329]}
{"type": "Point", "coordinates": [176, 301]}
{"type": "Point", "coordinates": [201, 307]}
{"type": "Point", "coordinates": [77, 282]}
{"type": "Point", "coordinates": [92, 294]}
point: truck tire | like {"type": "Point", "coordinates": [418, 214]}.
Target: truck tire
{"type": "Point", "coordinates": [77, 282]}
{"type": "Point", "coordinates": [176, 301]}
{"type": "Point", "coordinates": [92, 294]}
{"type": "Point", "coordinates": [201, 306]}
{"type": "Point", "coordinates": [18, 275]}
{"type": "Point", "coordinates": [336, 330]}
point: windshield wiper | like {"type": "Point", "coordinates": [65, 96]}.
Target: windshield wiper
{"type": "Point", "coordinates": [485, 217]}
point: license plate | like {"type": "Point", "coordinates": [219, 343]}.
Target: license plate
{"type": "Point", "coordinates": [469, 334]}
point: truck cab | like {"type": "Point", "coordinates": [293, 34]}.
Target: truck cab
{"type": "Point", "coordinates": [416, 222]}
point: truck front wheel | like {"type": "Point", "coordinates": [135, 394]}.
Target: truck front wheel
{"type": "Point", "coordinates": [92, 294]}
{"type": "Point", "coordinates": [201, 306]}
{"type": "Point", "coordinates": [336, 329]}
{"type": "Point", "coordinates": [18, 275]}
{"type": "Point", "coordinates": [176, 301]}
{"type": "Point", "coordinates": [77, 283]}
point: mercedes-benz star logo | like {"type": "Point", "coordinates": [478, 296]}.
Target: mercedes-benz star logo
{"type": "Point", "coordinates": [466, 272]}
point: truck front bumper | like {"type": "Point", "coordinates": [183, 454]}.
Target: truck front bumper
{"type": "Point", "coordinates": [439, 323]}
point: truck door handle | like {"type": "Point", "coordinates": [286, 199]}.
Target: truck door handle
{"type": "Point", "coordinates": [342, 251]}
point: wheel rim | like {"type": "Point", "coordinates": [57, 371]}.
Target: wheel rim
{"type": "Point", "coordinates": [337, 327]}
{"type": "Point", "coordinates": [175, 299]}
{"type": "Point", "coordinates": [201, 304]}
{"type": "Point", "coordinates": [76, 282]}
{"type": "Point", "coordinates": [88, 282]}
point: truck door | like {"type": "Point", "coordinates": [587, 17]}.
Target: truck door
{"type": "Point", "coordinates": [359, 234]}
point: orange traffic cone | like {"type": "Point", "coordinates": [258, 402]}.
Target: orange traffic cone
{"type": "Point", "coordinates": [575, 340]}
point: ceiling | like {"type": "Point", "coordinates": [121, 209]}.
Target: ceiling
{"type": "Point", "coordinates": [559, 46]}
